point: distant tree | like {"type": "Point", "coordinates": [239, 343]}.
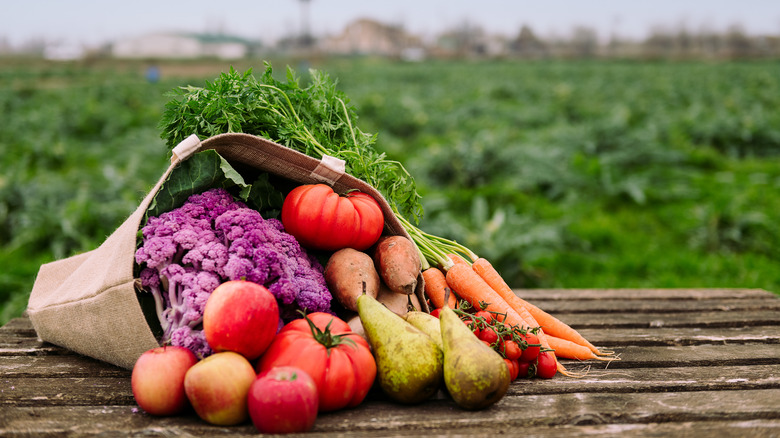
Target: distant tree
{"type": "Point", "coordinates": [737, 43]}
{"type": "Point", "coordinates": [584, 42]}
{"type": "Point", "coordinates": [527, 44]}
{"type": "Point", "coordinates": [463, 39]}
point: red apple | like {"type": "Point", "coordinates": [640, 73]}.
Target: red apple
{"type": "Point", "coordinates": [217, 388]}
{"type": "Point", "coordinates": [241, 316]}
{"type": "Point", "coordinates": [283, 399]}
{"type": "Point", "coordinates": [158, 379]}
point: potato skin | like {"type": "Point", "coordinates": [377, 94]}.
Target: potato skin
{"type": "Point", "coordinates": [346, 272]}
{"type": "Point", "coordinates": [398, 263]}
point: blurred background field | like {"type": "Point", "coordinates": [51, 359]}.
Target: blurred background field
{"type": "Point", "coordinates": [570, 173]}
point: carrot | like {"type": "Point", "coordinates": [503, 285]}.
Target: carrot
{"type": "Point", "coordinates": [550, 325]}
{"type": "Point", "coordinates": [571, 350]}
{"type": "Point", "coordinates": [436, 288]}
{"type": "Point", "coordinates": [472, 288]}
{"type": "Point", "coordinates": [457, 259]}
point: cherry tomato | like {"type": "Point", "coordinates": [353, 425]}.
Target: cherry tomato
{"type": "Point", "coordinates": [511, 350]}
{"type": "Point", "coordinates": [489, 335]}
{"type": "Point", "coordinates": [513, 368]}
{"type": "Point", "coordinates": [531, 352]}
{"type": "Point", "coordinates": [522, 369]}
{"type": "Point", "coordinates": [487, 316]}
{"type": "Point", "coordinates": [545, 365]}
{"type": "Point", "coordinates": [435, 312]}
{"type": "Point", "coordinates": [472, 326]}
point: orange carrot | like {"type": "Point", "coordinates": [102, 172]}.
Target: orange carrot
{"type": "Point", "coordinates": [482, 268]}
{"type": "Point", "coordinates": [436, 288]}
{"type": "Point", "coordinates": [470, 287]}
{"type": "Point", "coordinates": [457, 259]}
{"type": "Point", "coordinates": [550, 325]}
{"type": "Point", "coordinates": [570, 350]}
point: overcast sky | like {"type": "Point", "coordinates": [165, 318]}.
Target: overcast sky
{"type": "Point", "coordinates": [92, 22]}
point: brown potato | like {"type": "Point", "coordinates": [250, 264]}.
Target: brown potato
{"type": "Point", "coordinates": [350, 273]}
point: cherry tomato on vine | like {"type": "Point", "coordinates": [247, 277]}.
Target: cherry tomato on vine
{"type": "Point", "coordinates": [472, 325]}
{"type": "Point", "coordinates": [522, 369]}
{"type": "Point", "coordinates": [511, 350]}
{"type": "Point", "coordinates": [531, 352]}
{"type": "Point", "coordinates": [489, 335]}
{"type": "Point", "coordinates": [546, 367]}
{"type": "Point", "coordinates": [488, 317]}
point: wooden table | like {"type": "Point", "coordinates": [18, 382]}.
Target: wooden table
{"type": "Point", "coordinates": [695, 362]}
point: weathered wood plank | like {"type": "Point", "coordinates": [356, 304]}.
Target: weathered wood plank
{"type": "Point", "coordinates": [14, 345]}
{"type": "Point", "coordinates": [601, 379]}
{"type": "Point", "coordinates": [48, 391]}
{"type": "Point", "coordinates": [694, 362]}
{"type": "Point", "coordinates": [693, 355]}
{"type": "Point", "coordinates": [42, 391]}
{"type": "Point", "coordinates": [660, 336]}
{"type": "Point", "coordinates": [643, 294]}
{"type": "Point", "coordinates": [57, 366]}
{"type": "Point", "coordinates": [609, 306]}
{"type": "Point", "coordinates": [162, 428]}
{"type": "Point", "coordinates": [439, 416]}
{"type": "Point", "coordinates": [654, 319]}
{"type": "Point", "coordinates": [16, 325]}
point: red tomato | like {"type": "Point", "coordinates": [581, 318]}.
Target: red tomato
{"type": "Point", "coordinates": [322, 219]}
{"type": "Point", "coordinates": [513, 368]}
{"type": "Point", "coordinates": [531, 351]}
{"type": "Point", "coordinates": [489, 335]}
{"type": "Point", "coordinates": [435, 312]}
{"type": "Point", "coordinates": [545, 365]}
{"type": "Point", "coordinates": [472, 325]}
{"type": "Point", "coordinates": [522, 369]}
{"type": "Point", "coordinates": [339, 361]}
{"type": "Point", "coordinates": [511, 350]}
{"type": "Point", "coordinates": [488, 317]}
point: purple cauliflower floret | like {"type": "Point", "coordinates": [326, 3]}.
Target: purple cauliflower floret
{"type": "Point", "coordinates": [259, 250]}
{"type": "Point", "coordinates": [192, 339]}
{"type": "Point", "coordinates": [189, 251]}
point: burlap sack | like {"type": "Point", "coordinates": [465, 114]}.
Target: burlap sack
{"type": "Point", "coordinates": [87, 303]}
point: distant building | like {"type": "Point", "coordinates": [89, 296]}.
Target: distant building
{"type": "Point", "coordinates": [64, 51]}
{"type": "Point", "coordinates": [370, 37]}
{"type": "Point", "coordinates": [182, 46]}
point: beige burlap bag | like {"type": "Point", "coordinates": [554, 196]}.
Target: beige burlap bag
{"type": "Point", "coordinates": [88, 304]}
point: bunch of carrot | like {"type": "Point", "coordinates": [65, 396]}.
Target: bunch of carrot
{"type": "Point", "coordinates": [481, 285]}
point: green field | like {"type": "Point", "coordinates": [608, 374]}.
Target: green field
{"type": "Point", "coordinates": [569, 174]}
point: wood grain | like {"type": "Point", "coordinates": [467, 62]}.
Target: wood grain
{"type": "Point", "coordinates": [694, 362]}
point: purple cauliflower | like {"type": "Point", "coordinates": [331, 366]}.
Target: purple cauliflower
{"type": "Point", "coordinates": [187, 252]}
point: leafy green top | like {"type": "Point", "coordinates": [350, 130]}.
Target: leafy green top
{"type": "Point", "coordinates": [316, 120]}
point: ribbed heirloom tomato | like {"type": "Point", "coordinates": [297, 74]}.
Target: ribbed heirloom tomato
{"type": "Point", "coordinates": [322, 219]}
{"type": "Point", "coordinates": [324, 346]}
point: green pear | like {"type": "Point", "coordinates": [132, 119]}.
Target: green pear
{"type": "Point", "coordinates": [428, 324]}
{"type": "Point", "coordinates": [476, 376]}
{"type": "Point", "coordinates": [408, 362]}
